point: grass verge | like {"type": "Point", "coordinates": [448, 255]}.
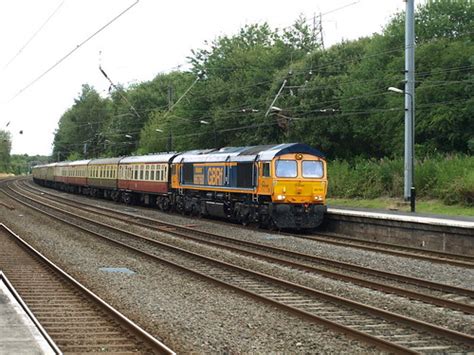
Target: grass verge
{"type": "Point", "coordinates": [422, 206]}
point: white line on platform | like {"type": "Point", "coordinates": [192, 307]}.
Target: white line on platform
{"type": "Point", "coordinates": [405, 218]}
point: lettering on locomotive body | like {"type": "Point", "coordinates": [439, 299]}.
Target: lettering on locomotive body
{"type": "Point", "coordinates": [198, 178]}
{"type": "Point", "coordinates": [215, 176]}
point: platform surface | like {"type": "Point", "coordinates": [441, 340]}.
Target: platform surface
{"type": "Point", "coordinates": [452, 221]}
{"type": "Point", "coordinates": [18, 333]}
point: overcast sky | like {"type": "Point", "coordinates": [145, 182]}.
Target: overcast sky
{"type": "Point", "coordinates": [153, 37]}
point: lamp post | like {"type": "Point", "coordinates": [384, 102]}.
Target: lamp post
{"type": "Point", "coordinates": [410, 193]}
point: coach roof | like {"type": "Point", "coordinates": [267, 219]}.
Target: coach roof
{"type": "Point", "coordinates": [151, 158]}
{"type": "Point", "coordinates": [105, 161]}
{"type": "Point", "coordinates": [79, 162]}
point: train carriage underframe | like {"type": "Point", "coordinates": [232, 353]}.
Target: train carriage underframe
{"type": "Point", "coordinates": [249, 208]}
{"type": "Point", "coordinates": [239, 207]}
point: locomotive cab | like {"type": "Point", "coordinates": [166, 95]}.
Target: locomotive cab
{"type": "Point", "coordinates": [296, 184]}
{"type": "Point", "coordinates": [299, 178]}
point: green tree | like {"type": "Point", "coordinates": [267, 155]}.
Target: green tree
{"type": "Point", "coordinates": [5, 148]}
{"type": "Point", "coordinates": [80, 127]}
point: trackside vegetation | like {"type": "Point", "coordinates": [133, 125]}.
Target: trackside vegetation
{"type": "Point", "coordinates": [334, 99]}
{"type": "Point", "coordinates": [446, 178]}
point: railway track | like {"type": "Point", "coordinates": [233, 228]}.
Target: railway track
{"type": "Point", "coordinates": [375, 246]}
{"type": "Point", "coordinates": [442, 295]}
{"type": "Point", "coordinates": [384, 329]}
{"type": "Point", "coordinates": [393, 249]}
{"type": "Point", "coordinates": [76, 319]}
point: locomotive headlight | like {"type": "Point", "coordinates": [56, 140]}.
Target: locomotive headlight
{"type": "Point", "coordinates": [318, 198]}
{"type": "Point", "coordinates": [281, 197]}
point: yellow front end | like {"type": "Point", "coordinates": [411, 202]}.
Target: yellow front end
{"type": "Point", "coordinates": [299, 179]}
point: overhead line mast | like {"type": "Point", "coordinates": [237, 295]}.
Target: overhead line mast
{"type": "Point", "coordinates": [409, 189]}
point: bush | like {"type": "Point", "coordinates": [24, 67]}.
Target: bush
{"type": "Point", "coordinates": [448, 178]}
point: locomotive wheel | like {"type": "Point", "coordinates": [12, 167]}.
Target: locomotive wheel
{"type": "Point", "coordinates": [194, 210]}
{"type": "Point", "coordinates": [166, 204]}
{"type": "Point", "coordinates": [127, 198]}
{"type": "Point", "coordinates": [116, 196]}
{"type": "Point", "coordinates": [244, 219]}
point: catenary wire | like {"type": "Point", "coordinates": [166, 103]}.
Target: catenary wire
{"type": "Point", "coordinates": [33, 36]}
{"type": "Point", "coordinates": [72, 51]}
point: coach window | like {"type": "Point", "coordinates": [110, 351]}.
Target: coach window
{"type": "Point", "coordinates": [286, 168]}
{"type": "Point", "coordinates": [147, 172]}
{"type": "Point", "coordinates": [135, 172]}
{"type": "Point", "coordinates": [312, 169]}
{"type": "Point", "coordinates": [141, 171]}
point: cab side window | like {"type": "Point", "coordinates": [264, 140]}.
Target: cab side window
{"type": "Point", "coordinates": [266, 169]}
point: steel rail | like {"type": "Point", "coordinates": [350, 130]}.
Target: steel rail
{"type": "Point", "coordinates": [437, 253]}
{"type": "Point", "coordinates": [440, 257]}
{"type": "Point", "coordinates": [413, 323]}
{"type": "Point", "coordinates": [467, 308]}
{"type": "Point", "coordinates": [443, 258]}
{"type": "Point", "coordinates": [132, 327]}
{"type": "Point", "coordinates": [463, 307]}
{"type": "Point", "coordinates": [29, 313]}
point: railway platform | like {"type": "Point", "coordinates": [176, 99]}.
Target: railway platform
{"type": "Point", "coordinates": [452, 234]}
{"type": "Point", "coordinates": [425, 218]}
{"type": "Point", "coordinates": [20, 333]}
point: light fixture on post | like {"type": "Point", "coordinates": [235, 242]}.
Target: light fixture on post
{"type": "Point", "coordinates": [170, 139]}
{"type": "Point", "coordinates": [204, 122]}
{"type": "Point", "coordinates": [409, 176]}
